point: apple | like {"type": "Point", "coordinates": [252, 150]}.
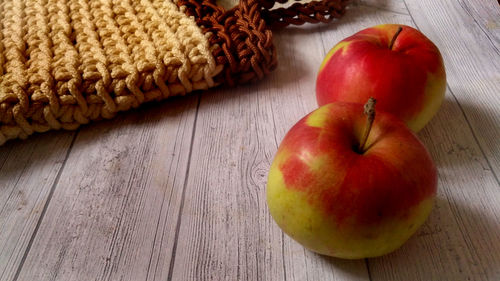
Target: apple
{"type": "Point", "coordinates": [395, 64]}
{"type": "Point", "coordinates": [344, 188]}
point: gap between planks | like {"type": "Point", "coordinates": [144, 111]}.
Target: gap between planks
{"type": "Point", "coordinates": [44, 210]}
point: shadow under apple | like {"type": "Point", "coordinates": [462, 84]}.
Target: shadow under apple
{"type": "Point", "coordinates": [484, 121]}
{"type": "Point", "coordinates": [459, 241]}
{"type": "Point", "coordinates": [453, 143]}
{"type": "Point", "coordinates": [353, 269]}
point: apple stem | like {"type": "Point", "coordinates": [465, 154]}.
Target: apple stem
{"type": "Point", "coordinates": [370, 116]}
{"type": "Point", "coordinates": [394, 37]}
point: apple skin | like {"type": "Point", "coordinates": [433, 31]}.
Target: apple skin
{"type": "Point", "coordinates": [341, 203]}
{"type": "Point", "coordinates": [408, 80]}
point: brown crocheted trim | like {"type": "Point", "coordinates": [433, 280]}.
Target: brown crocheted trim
{"type": "Point", "coordinates": [242, 41]}
{"type": "Point", "coordinates": [299, 13]}
{"type": "Point", "coordinates": [242, 38]}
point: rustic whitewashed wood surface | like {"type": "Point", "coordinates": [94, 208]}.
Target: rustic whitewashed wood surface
{"type": "Point", "coordinates": [176, 191]}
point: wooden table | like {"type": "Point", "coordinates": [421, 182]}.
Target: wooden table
{"type": "Point", "coordinates": [176, 191]}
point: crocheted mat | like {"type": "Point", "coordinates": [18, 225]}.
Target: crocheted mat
{"type": "Point", "coordinates": [66, 62]}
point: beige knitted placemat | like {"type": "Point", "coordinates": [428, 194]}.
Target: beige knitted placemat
{"type": "Point", "coordinates": [66, 62]}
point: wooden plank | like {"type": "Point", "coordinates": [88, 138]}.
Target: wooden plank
{"type": "Point", "coordinates": [228, 233]}
{"type": "Point", "coordinates": [390, 6]}
{"type": "Point", "coordinates": [114, 212]}
{"type": "Point", "coordinates": [28, 172]}
{"type": "Point", "coordinates": [460, 240]}
{"type": "Point", "coordinates": [486, 14]}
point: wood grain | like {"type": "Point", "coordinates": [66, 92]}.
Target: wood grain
{"type": "Point", "coordinates": [486, 14]}
{"type": "Point", "coordinates": [28, 172]}
{"type": "Point", "coordinates": [114, 211]}
{"type": "Point", "coordinates": [389, 6]}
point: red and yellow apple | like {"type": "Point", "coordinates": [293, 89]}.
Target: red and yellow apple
{"type": "Point", "coordinates": [348, 202]}
{"type": "Point", "coordinates": [402, 69]}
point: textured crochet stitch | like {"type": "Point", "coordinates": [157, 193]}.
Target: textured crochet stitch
{"type": "Point", "coordinates": [64, 63]}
